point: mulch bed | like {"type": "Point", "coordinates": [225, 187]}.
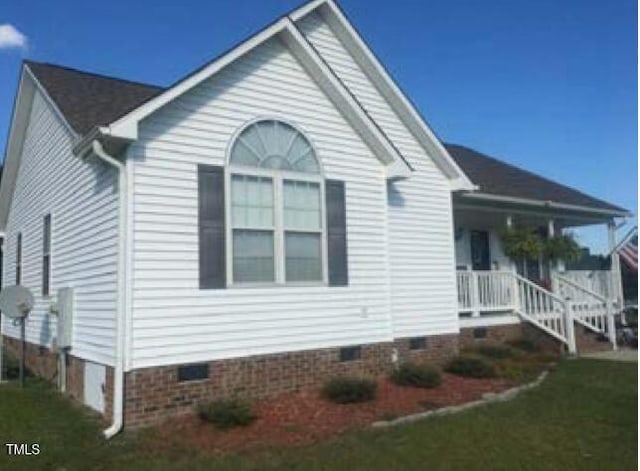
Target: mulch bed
{"type": "Point", "coordinates": [305, 417]}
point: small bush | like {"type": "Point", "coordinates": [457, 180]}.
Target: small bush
{"type": "Point", "coordinates": [419, 376]}
{"type": "Point", "coordinates": [472, 367]}
{"type": "Point", "coordinates": [349, 390]}
{"type": "Point", "coordinates": [496, 352]}
{"type": "Point", "coordinates": [524, 345]}
{"type": "Point", "coordinates": [227, 413]}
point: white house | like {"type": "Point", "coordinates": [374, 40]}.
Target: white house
{"type": "Point", "coordinates": [281, 215]}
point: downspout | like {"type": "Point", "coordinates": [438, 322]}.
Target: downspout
{"type": "Point", "coordinates": [118, 376]}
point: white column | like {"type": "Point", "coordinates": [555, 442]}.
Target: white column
{"type": "Point", "coordinates": [553, 264]}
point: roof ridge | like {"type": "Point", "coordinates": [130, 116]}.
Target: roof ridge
{"type": "Point", "coordinates": [93, 74]}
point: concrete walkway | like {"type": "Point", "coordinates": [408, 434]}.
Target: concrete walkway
{"type": "Point", "coordinates": [622, 354]}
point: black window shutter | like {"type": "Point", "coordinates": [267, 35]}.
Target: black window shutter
{"type": "Point", "coordinates": [336, 233]}
{"type": "Point", "coordinates": [211, 227]}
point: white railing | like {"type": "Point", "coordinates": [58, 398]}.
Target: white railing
{"type": "Point", "coordinates": [597, 281]}
{"type": "Point", "coordinates": [496, 290]}
{"type": "Point", "coordinates": [489, 292]}
{"type": "Point", "coordinates": [484, 291]}
{"type": "Point", "coordinates": [588, 307]}
{"type": "Point", "coordinates": [546, 310]}
{"type": "Point", "coordinates": [465, 298]}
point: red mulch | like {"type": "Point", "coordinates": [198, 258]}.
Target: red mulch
{"type": "Point", "coordinates": [305, 417]}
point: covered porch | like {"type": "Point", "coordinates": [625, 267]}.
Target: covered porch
{"type": "Point", "coordinates": [495, 290]}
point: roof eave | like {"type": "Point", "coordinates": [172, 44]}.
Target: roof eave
{"type": "Point", "coordinates": [600, 212]}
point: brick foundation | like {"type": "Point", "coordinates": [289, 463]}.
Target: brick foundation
{"type": "Point", "coordinates": [494, 335]}
{"type": "Point", "coordinates": [154, 394]}
{"type": "Point", "coordinates": [588, 341]}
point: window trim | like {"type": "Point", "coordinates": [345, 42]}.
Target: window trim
{"type": "Point", "coordinates": [277, 177]}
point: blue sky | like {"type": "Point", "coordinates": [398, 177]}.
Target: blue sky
{"type": "Point", "coordinates": [547, 85]}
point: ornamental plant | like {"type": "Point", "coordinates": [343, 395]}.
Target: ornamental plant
{"type": "Point", "coordinates": [227, 413]}
{"type": "Point", "coordinates": [416, 375]}
{"type": "Point", "coordinates": [562, 247]}
{"type": "Point", "coordinates": [521, 243]}
{"type": "Point", "coordinates": [525, 243]}
{"type": "Point", "coordinates": [348, 390]}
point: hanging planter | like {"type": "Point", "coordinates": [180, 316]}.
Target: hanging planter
{"type": "Point", "coordinates": [522, 243]}
{"type": "Point", "coordinates": [525, 243]}
{"type": "Point", "coordinates": [562, 247]}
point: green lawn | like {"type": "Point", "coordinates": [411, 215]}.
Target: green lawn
{"type": "Point", "coordinates": [582, 417]}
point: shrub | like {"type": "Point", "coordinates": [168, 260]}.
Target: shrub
{"type": "Point", "coordinates": [349, 390]}
{"type": "Point", "coordinates": [472, 367]}
{"type": "Point", "coordinates": [524, 345]}
{"type": "Point", "coordinates": [419, 376]}
{"type": "Point", "coordinates": [494, 351]}
{"type": "Point", "coordinates": [227, 413]}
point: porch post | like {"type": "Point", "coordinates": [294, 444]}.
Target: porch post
{"type": "Point", "coordinates": [553, 265]}
{"type": "Point", "coordinates": [615, 276]}
{"type": "Point", "coordinates": [570, 327]}
{"type": "Point", "coordinates": [475, 295]}
{"type": "Point", "coordinates": [616, 281]}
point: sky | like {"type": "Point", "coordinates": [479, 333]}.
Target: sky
{"type": "Point", "coordinates": [547, 85]}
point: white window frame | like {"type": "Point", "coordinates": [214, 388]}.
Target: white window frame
{"type": "Point", "coordinates": [277, 177]}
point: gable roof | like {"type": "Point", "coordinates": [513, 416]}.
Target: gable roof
{"type": "Point", "coordinates": [495, 177]}
{"type": "Point", "coordinates": [87, 100]}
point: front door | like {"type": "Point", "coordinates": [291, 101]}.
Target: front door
{"type": "Point", "coordinates": [480, 255]}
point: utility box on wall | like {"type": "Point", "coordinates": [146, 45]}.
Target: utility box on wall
{"type": "Point", "coordinates": [66, 307]}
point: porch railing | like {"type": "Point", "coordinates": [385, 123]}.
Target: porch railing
{"type": "Point", "coordinates": [491, 292]}
{"type": "Point", "coordinates": [596, 281]}
{"type": "Point", "coordinates": [486, 291]}
{"type": "Point", "coordinates": [589, 308]}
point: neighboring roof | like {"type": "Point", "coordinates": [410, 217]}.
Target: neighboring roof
{"type": "Point", "coordinates": [495, 177]}
{"type": "Point", "coordinates": [87, 100]}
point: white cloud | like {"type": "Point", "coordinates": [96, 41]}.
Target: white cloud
{"type": "Point", "coordinates": [11, 37]}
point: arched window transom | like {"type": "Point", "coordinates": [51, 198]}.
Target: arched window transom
{"type": "Point", "coordinates": [276, 145]}
{"type": "Point", "coordinates": [276, 207]}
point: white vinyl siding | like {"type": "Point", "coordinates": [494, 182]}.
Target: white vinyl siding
{"type": "Point", "coordinates": [82, 199]}
{"type": "Point", "coordinates": [421, 252]}
{"type": "Point", "coordinates": [174, 321]}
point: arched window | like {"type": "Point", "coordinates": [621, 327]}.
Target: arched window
{"type": "Point", "coordinates": [272, 144]}
{"type": "Point", "coordinates": [275, 208]}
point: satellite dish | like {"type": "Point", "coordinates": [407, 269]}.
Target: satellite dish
{"type": "Point", "coordinates": [16, 301]}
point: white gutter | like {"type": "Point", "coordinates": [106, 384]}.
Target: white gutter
{"type": "Point", "coordinates": [118, 376]}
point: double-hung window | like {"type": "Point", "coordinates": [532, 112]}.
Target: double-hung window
{"type": "Point", "coordinates": [275, 208]}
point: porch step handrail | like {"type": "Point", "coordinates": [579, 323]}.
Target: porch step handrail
{"type": "Point", "coordinates": [589, 308]}
{"type": "Point", "coordinates": [579, 287]}
{"type": "Point", "coordinates": [545, 310]}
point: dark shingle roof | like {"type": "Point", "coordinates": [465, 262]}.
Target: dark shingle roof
{"type": "Point", "coordinates": [495, 177]}
{"type": "Point", "coordinates": [87, 100]}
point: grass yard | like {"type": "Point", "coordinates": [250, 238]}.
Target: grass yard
{"type": "Point", "coordinates": [582, 417]}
